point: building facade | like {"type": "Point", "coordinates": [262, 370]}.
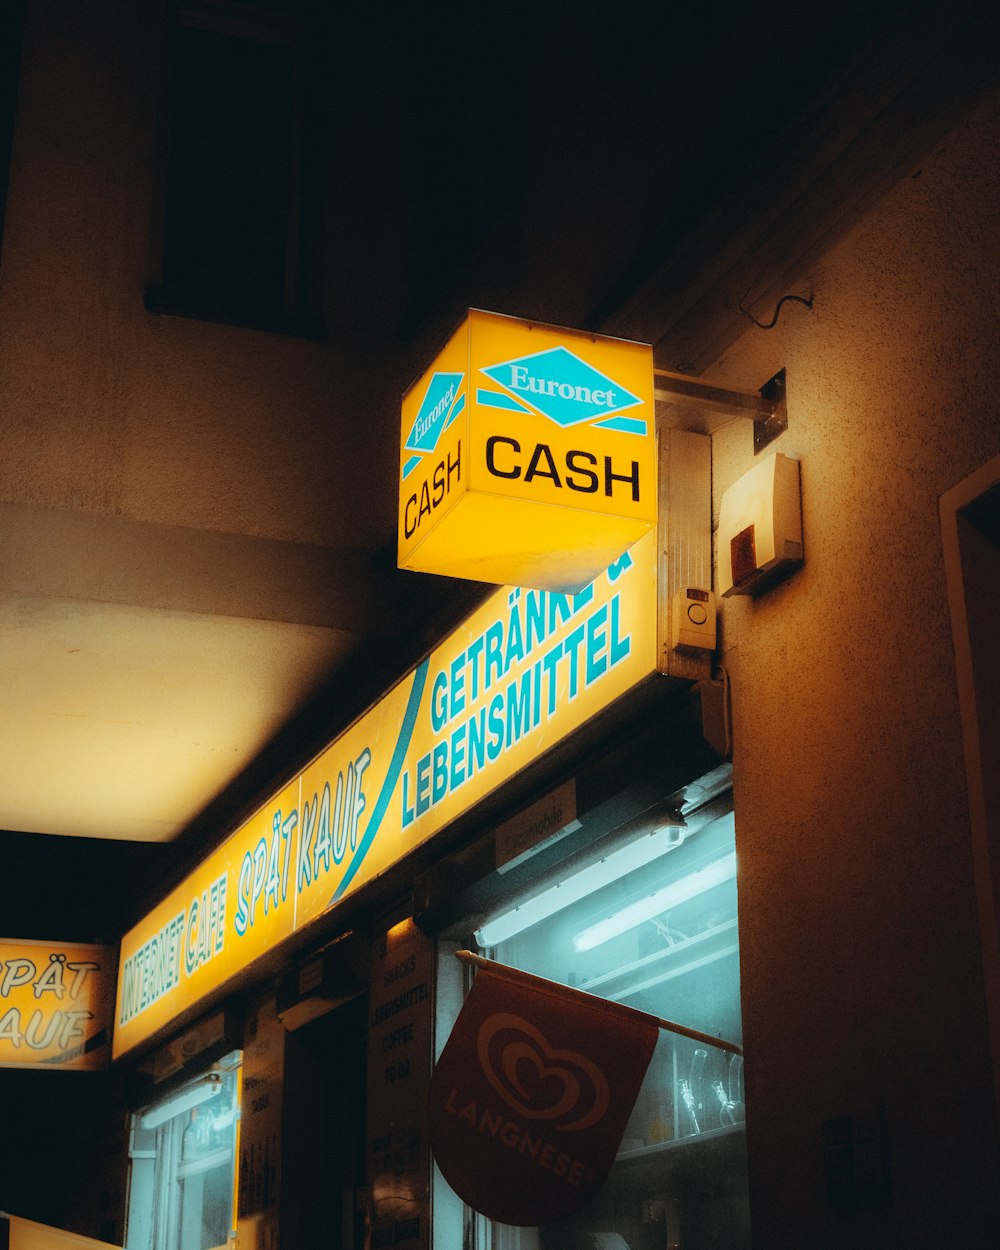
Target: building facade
{"type": "Point", "coordinates": [852, 701]}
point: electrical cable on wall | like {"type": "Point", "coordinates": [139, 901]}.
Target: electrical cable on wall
{"type": "Point", "coordinates": [769, 325]}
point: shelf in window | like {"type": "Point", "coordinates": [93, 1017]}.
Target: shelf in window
{"type": "Point", "coordinates": [681, 1143]}
{"type": "Point", "coordinates": [195, 1167]}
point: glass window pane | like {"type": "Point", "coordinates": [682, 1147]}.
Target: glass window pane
{"type": "Point", "coordinates": [652, 925]}
{"type": "Point", "coordinates": [182, 1165]}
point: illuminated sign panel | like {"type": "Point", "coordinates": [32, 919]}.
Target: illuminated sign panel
{"type": "Point", "coordinates": [55, 1004]}
{"type": "Point", "coordinates": [231, 910]}
{"type": "Point", "coordinates": [527, 455]}
{"type": "Point", "coordinates": [523, 671]}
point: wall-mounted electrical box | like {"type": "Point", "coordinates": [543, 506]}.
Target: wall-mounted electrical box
{"type": "Point", "coordinates": [693, 619]}
{"type": "Point", "coordinates": [685, 561]}
{"type": "Point", "coordinates": [760, 527]}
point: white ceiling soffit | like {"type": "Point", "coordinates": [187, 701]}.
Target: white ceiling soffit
{"type": "Point", "coordinates": [143, 667]}
{"type": "Point", "coordinates": [120, 721]}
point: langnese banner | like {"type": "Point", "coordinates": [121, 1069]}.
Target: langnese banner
{"type": "Point", "coordinates": [530, 1097]}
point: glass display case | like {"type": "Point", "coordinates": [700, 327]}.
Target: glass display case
{"type": "Point", "coordinates": [182, 1164]}
{"type": "Point", "coordinates": [649, 919]}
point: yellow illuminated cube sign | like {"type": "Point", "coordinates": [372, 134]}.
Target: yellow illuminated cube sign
{"type": "Point", "coordinates": [527, 455]}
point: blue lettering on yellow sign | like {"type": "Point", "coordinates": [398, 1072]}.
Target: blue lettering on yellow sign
{"type": "Point", "coordinates": [152, 971]}
{"type": "Point", "coordinates": [205, 930]}
{"type": "Point", "coordinates": [391, 777]}
{"type": "Point", "coordinates": [565, 389]}
{"type": "Point", "coordinates": [522, 697]}
{"type": "Point", "coordinates": [333, 819]}
{"type": "Point", "coordinates": [264, 871]}
{"type": "Point", "coordinates": [435, 413]}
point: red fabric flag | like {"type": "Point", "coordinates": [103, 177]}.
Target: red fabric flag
{"type": "Point", "coordinates": [532, 1092]}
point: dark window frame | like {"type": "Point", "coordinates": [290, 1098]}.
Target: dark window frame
{"type": "Point", "coordinates": [11, 45]}
{"type": "Point", "coordinates": [253, 261]}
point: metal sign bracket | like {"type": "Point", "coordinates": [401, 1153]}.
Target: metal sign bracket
{"type": "Point", "coordinates": [717, 405]}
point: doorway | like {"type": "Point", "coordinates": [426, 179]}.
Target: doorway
{"type": "Point", "coordinates": [970, 521]}
{"type": "Point", "coordinates": [324, 1135]}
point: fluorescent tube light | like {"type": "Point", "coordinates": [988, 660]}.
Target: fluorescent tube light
{"type": "Point", "coordinates": [184, 1100]}
{"type": "Point", "coordinates": [672, 895]}
{"type": "Point", "coordinates": [540, 906]}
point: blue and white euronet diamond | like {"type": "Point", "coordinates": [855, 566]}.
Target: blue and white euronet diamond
{"type": "Point", "coordinates": [440, 406]}
{"type": "Point", "coordinates": [435, 409]}
{"type": "Point", "coordinates": [567, 390]}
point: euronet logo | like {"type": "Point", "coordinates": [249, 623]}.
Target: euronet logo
{"type": "Point", "coordinates": [442, 402]}
{"type": "Point", "coordinates": [563, 388]}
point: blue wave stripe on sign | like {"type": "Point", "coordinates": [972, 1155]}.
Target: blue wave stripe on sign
{"type": "Point", "coordinates": [459, 405]}
{"type": "Point", "coordinates": [624, 425]}
{"type": "Point", "coordinates": [391, 777]}
{"type": "Point", "coordinates": [410, 465]}
{"type": "Point", "coordinates": [493, 399]}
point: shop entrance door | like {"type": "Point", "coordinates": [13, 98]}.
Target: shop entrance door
{"type": "Point", "coordinates": [323, 1173]}
{"type": "Point", "coordinates": [970, 519]}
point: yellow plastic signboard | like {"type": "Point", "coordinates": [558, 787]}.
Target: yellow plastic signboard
{"type": "Point", "coordinates": [527, 455]}
{"type": "Point", "coordinates": [55, 1004]}
{"type": "Point", "coordinates": [222, 917]}
{"type": "Point", "coordinates": [20, 1234]}
{"type": "Point", "coordinates": [523, 671]}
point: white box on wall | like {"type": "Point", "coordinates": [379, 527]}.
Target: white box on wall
{"type": "Point", "coordinates": [760, 527]}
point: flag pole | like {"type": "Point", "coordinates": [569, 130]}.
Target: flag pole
{"type": "Point", "coordinates": [543, 983]}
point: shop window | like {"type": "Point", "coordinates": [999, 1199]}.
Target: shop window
{"type": "Point", "coordinates": [464, 145]}
{"type": "Point", "coordinates": [240, 197]}
{"type": "Point", "coordinates": [182, 1164]}
{"type": "Point", "coordinates": [652, 924]}
{"type": "Point", "coordinates": [970, 516]}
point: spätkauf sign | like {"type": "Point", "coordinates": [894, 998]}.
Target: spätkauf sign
{"type": "Point", "coordinates": [55, 1004]}
{"type": "Point", "coordinates": [527, 455]}
{"type": "Point", "coordinates": [524, 670]}
{"type": "Point", "coordinates": [532, 1093]}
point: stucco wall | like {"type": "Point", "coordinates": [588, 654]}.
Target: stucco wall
{"type": "Point", "coordinates": [109, 409]}
{"type": "Point", "coordinates": [860, 945]}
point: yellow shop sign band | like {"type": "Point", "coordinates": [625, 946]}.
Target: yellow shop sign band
{"type": "Point", "coordinates": [55, 1004]}
{"type": "Point", "coordinates": [523, 671]}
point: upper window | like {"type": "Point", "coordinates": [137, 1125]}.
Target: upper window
{"type": "Point", "coordinates": [11, 29]}
{"type": "Point", "coordinates": [463, 172]}
{"type": "Point", "coordinates": [239, 208]}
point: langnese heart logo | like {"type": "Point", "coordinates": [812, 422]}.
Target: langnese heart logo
{"type": "Point", "coordinates": [537, 1080]}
